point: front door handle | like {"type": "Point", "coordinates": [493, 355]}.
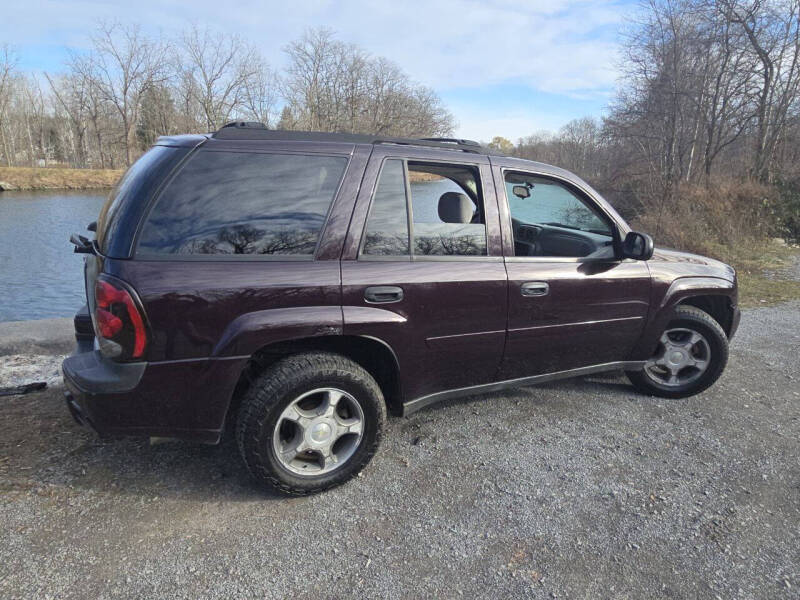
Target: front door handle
{"type": "Point", "coordinates": [383, 294]}
{"type": "Point", "coordinates": [534, 288]}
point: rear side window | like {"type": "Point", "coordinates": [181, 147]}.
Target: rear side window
{"type": "Point", "coordinates": [387, 226]}
{"type": "Point", "coordinates": [446, 207]}
{"type": "Point", "coordinates": [448, 212]}
{"type": "Point", "coordinates": [244, 203]}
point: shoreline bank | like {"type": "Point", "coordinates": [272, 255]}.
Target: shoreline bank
{"type": "Point", "coordinates": [55, 178]}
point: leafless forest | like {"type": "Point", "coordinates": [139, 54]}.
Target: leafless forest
{"type": "Point", "coordinates": [701, 142]}
{"type": "Point", "coordinates": [110, 103]}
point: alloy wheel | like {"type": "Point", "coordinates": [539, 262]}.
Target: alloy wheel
{"type": "Point", "coordinates": [683, 355]}
{"type": "Point", "coordinates": [318, 432]}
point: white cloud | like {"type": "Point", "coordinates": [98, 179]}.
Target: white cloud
{"type": "Point", "coordinates": [554, 46]}
{"type": "Point", "coordinates": [557, 46]}
{"type": "Point", "coordinates": [482, 124]}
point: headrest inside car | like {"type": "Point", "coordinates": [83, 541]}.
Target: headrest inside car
{"type": "Point", "coordinates": [455, 208]}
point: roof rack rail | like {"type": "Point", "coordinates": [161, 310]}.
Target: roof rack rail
{"type": "Point", "coordinates": [245, 125]}
{"type": "Point", "coordinates": [432, 143]}
{"type": "Point", "coordinates": [445, 140]}
{"type": "Point", "coordinates": [253, 130]}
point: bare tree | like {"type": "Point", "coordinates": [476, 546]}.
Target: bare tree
{"type": "Point", "coordinates": [724, 109]}
{"type": "Point", "coordinates": [217, 70]}
{"type": "Point", "coordinates": [34, 114]}
{"type": "Point", "coordinates": [773, 33]}
{"type": "Point", "coordinates": [71, 95]}
{"type": "Point", "coordinates": [7, 71]}
{"type": "Point", "coordinates": [333, 86]}
{"type": "Point", "coordinates": [259, 94]}
{"type": "Point", "coordinates": [123, 66]}
{"type": "Point", "coordinates": [308, 78]}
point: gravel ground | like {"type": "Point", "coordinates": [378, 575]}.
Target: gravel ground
{"type": "Point", "coordinates": [581, 489]}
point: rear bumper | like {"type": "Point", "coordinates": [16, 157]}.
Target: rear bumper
{"type": "Point", "coordinates": [185, 399]}
{"type": "Point", "coordinates": [91, 373]}
{"type": "Point", "coordinates": [95, 385]}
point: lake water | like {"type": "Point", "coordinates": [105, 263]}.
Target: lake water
{"type": "Point", "coordinates": [40, 275]}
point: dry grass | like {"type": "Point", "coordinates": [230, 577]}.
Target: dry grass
{"type": "Point", "coordinates": [731, 221]}
{"type": "Point", "coordinates": [767, 272]}
{"type": "Point", "coordinates": [420, 177]}
{"type": "Point", "coordinates": [726, 214]}
{"type": "Point", "coordinates": [31, 178]}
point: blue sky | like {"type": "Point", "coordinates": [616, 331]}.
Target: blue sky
{"type": "Point", "coordinates": [503, 67]}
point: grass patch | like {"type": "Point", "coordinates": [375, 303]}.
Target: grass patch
{"type": "Point", "coordinates": [764, 271]}
{"type": "Point", "coordinates": [756, 290]}
{"type": "Point", "coordinates": [32, 178]}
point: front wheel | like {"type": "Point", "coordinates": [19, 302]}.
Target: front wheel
{"type": "Point", "coordinates": [310, 422]}
{"type": "Point", "coordinates": [691, 355]}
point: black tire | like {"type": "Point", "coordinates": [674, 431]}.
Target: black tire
{"type": "Point", "coordinates": [697, 320]}
{"type": "Point", "coordinates": [279, 386]}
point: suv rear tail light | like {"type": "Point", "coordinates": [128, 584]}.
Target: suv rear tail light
{"type": "Point", "coordinates": [119, 321]}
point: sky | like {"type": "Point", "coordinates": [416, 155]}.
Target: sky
{"type": "Point", "coordinates": [503, 67]}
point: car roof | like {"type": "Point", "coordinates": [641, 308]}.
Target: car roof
{"type": "Point", "coordinates": [253, 132]}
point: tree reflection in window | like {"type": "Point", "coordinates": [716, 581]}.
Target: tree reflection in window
{"type": "Point", "coordinates": [387, 225]}
{"type": "Point", "coordinates": [244, 203]}
{"type": "Point", "coordinates": [244, 239]}
{"type": "Point", "coordinates": [429, 182]}
{"type": "Point", "coordinates": [445, 244]}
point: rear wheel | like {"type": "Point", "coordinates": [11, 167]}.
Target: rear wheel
{"type": "Point", "coordinates": [691, 355]}
{"type": "Point", "coordinates": [310, 422]}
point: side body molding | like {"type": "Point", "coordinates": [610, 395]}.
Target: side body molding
{"type": "Point", "coordinates": [666, 297]}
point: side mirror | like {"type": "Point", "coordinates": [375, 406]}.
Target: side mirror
{"type": "Point", "coordinates": [521, 191]}
{"type": "Point", "coordinates": [638, 246]}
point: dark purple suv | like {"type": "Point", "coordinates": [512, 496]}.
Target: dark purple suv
{"type": "Point", "coordinates": [300, 285]}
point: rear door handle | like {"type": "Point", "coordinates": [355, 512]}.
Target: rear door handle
{"type": "Point", "coordinates": [535, 288]}
{"type": "Point", "coordinates": [383, 294]}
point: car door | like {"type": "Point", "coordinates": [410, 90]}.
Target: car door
{"type": "Point", "coordinates": [422, 267]}
{"type": "Point", "coordinates": [573, 302]}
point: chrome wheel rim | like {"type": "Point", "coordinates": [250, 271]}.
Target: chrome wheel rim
{"type": "Point", "coordinates": [318, 432]}
{"type": "Point", "coordinates": [683, 355]}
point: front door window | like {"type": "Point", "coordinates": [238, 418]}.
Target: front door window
{"type": "Point", "coordinates": [549, 219]}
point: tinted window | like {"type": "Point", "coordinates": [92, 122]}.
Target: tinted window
{"type": "Point", "coordinates": [387, 225]}
{"type": "Point", "coordinates": [448, 215]}
{"type": "Point", "coordinates": [239, 203]}
{"type": "Point", "coordinates": [549, 219]}
{"type": "Point", "coordinates": [132, 186]}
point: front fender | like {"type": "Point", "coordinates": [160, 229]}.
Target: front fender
{"type": "Point", "coordinates": [665, 298]}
